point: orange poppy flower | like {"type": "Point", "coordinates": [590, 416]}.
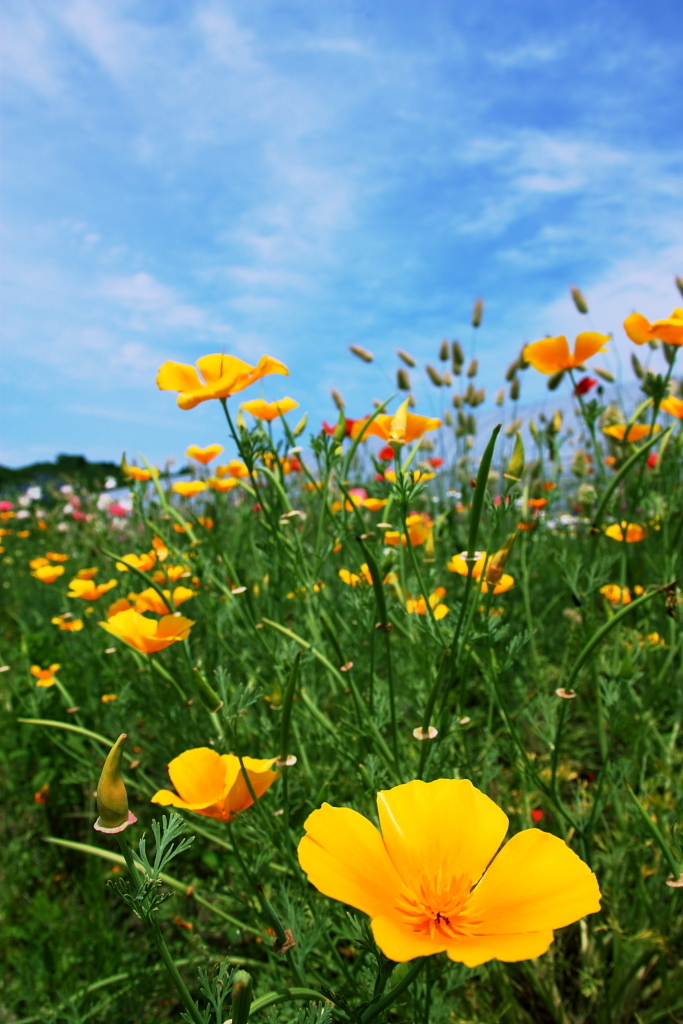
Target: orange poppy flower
{"type": "Point", "coordinates": [222, 486]}
{"type": "Point", "coordinates": [35, 563]}
{"type": "Point", "coordinates": [552, 355]}
{"type": "Point", "coordinates": [434, 879]}
{"type": "Point", "coordinates": [54, 556]}
{"type": "Point", "coordinates": [630, 532]}
{"type": "Point", "coordinates": [212, 784]}
{"type": "Point", "coordinates": [537, 503]}
{"type": "Point", "coordinates": [417, 475]}
{"type": "Point", "coordinates": [204, 455]}
{"type": "Point", "coordinates": [640, 330]}
{"type": "Point", "coordinates": [189, 488]}
{"type": "Point", "coordinates": [354, 579]}
{"type": "Point", "coordinates": [143, 562]}
{"type": "Point", "coordinates": [160, 548]}
{"type": "Point", "coordinates": [68, 624]}
{"type": "Point", "coordinates": [374, 504]}
{"type": "Point", "coordinates": [122, 605]}
{"type": "Point", "coordinates": [235, 468]}
{"type": "Point", "coordinates": [269, 411]}
{"type": "Point", "coordinates": [88, 590]}
{"type": "Point", "coordinates": [635, 432]}
{"type": "Point", "coordinates": [136, 473]}
{"type": "Point", "coordinates": [87, 574]}
{"type": "Point", "coordinates": [674, 406]}
{"type": "Point", "coordinates": [48, 573]}
{"type": "Point", "coordinates": [391, 428]}
{"type": "Point", "coordinates": [223, 376]}
{"type": "Point", "coordinates": [45, 676]}
{"type": "Point", "coordinates": [149, 600]}
{"type": "Point", "coordinates": [147, 635]}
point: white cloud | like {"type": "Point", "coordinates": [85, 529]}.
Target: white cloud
{"type": "Point", "coordinates": [153, 302]}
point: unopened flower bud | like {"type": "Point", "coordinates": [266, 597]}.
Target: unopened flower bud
{"type": "Point", "coordinates": [457, 401]}
{"type": "Point", "coordinates": [637, 367]}
{"type": "Point", "coordinates": [340, 430]}
{"type": "Point", "coordinates": [579, 300]}
{"type": "Point", "coordinates": [242, 990]}
{"type": "Point", "coordinates": [443, 352]}
{"type": "Point", "coordinates": [515, 467]}
{"type": "Point", "coordinates": [511, 371]}
{"type": "Point", "coordinates": [514, 390]}
{"type": "Point", "coordinates": [112, 799]}
{"type": "Point", "coordinates": [402, 380]}
{"type": "Point", "coordinates": [500, 396]}
{"type": "Point", "coordinates": [473, 368]}
{"type": "Point", "coordinates": [477, 312]}
{"type": "Point", "coordinates": [434, 376]}
{"type": "Point", "coordinates": [457, 354]}
{"type": "Point", "coordinates": [555, 381]}
{"type": "Point", "coordinates": [362, 353]}
{"type": "Point", "coordinates": [679, 282]}
{"type": "Point", "coordinates": [406, 357]}
{"type": "Point", "coordinates": [446, 378]}
{"type": "Point", "coordinates": [604, 374]}
{"type": "Point", "coordinates": [494, 570]}
{"type": "Point", "coordinates": [337, 399]}
{"type": "Point", "coordinates": [447, 418]}
{"type": "Point", "coordinates": [301, 426]}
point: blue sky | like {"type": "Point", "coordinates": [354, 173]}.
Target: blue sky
{"type": "Point", "coordinates": [184, 177]}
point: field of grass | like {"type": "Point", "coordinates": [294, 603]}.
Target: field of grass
{"type": "Point", "coordinates": [366, 615]}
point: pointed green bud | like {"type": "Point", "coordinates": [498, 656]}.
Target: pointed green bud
{"type": "Point", "coordinates": [434, 376]}
{"type": "Point", "coordinates": [362, 353]}
{"type": "Point", "coordinates": [337, 399]}
{"type": "Point", "coordinates": [637, 367]}
{"type": "Point", "coordinates": [555, 381]}
{"type": "Point", "coordinates": [112, 799]}
{"type": "Point", "coordinates": [340, 429]}
{"type": "Point", "coordinates": [406, 357]}
{"type": "Point", "coordinates": [477, 312]}
{"type": "Point", "coordinates": [604, 374]}
{"type": "Point", "coordinates": [473, 368]}
{"type": "Point", "coordinates": [444, 352]}
{"type": "Point", "coordinates": [402, 380]}
{"type": "Point", "coordinates": [457, 354]}
{"type": "Point", "coordinates": [679, 283]}
{"type": "Point", "coordinates": [242, 989]}
{"type": "Point", "coordinates": [301, 425]}
{"type": "Point", "coordinates": [516, 464]}
{"type": "Point", "coordinates": [514, 390]}
{"type": "Point", "coordinates": [579, 300]}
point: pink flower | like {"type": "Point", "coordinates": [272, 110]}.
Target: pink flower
{"type": "Point", "coordinates": [358, 492]}
{"type": "Point", "coordinates": [116, 510]}
{"type": "Point", "coordinates": [76, 514]}
{"type": "Point", "coordinates": [6, 506]}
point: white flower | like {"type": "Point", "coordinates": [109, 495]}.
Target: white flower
{"type": "Point", "coordinates": [24, 500]}
{"type": "Point", "coordinates": [110, 483]}
{"type": "Point", "coordinates": [66, 489]}
{"type": "Point", "coordinates": [104, 500]}
{"type": "Point", "coordinates": [34, 493]}
{"type": "Point", "coordinates": [23, 514]}
{"type": "Point", "coordinates": [62, 526]}
{"type": "Point", "coordinates": [40, 513]}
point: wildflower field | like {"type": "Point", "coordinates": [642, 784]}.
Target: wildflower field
{"type": "Point", "coordinates": [349, 724]}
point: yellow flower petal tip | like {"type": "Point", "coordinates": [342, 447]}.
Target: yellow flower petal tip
{"type": "Point", "coordinates": [670, 330]}
{"type": "Point", "coordinates": [189, 488]}
{"type": "Point", "coordinates": [147, 635]}
{"type": "Point", "coordinates": [204, 455]}
{"type": "Point", "coordinates": [221, 376]}
{"type": "Point", "coordinates": [213, 784]}
{"type": "Point", "coordinates": [434, 879]}
{"type": "Point", "coordinates": [269, 411]}
{"type": "Point", "coordinates": [552, 355]}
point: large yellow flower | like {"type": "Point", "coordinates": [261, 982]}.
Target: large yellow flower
{"type": "Point", "coordinates": [552, 355]}
{"type": "Point", "coordinates": [635, 432]}
{"type": "Point", "coordinates": [389, 429]}
{"type": "Point", "coordinates": [269, 411]}
{"type": "Point", "coordinates": [147, 635]}
{"type": "Point", "coordinates": [630, 532]}
{"type": "Point", "coordinates": [640, 330]}
{"type": "Point", "coordinates": [48, 573]}
{"type": "Point", "coordinates": [212, 784]}
{"type": "Point", "coordinates": [674, 406]}
{"type": "Point", "coordinates": [149, 600]}
{"type": "Point", "coordinates": [88, 590]}
{"type": "Point", "coordinates": [430, 882]}
{"type": "Point", "coordinates": [223, 376]}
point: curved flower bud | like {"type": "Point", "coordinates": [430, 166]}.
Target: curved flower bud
{"type": "Point", "coordinates": [112, 799]}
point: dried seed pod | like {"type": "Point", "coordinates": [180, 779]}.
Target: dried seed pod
{"type": "Point", "coordinates": [511, 371]}
{"type": "Point", "coordinates": [402, 380]}
{"type": "Point", "coordinates": [471, 424]}
{"type": "Point", "coordinates": [337, 399]}
{"type": "Point", "coordinates": [477, 312]}
{"type": "Point", "coordinates": [406, 357]}
{"type": "Point", "coordinates": [457, 401]}
{"type": "Point", "coordinates": [500, 396]}
{"type": "Point", "coordinates": [457, 354]}
{"type": "Point", "coordinates": [434, 376]}
{"type": "Point", "coordinates": [443, 352]}
{"type": "Point", "coordinates": [446, 378]}
{"type": "Point", "coordinates": [679, 283]}
{"type": "Point", "coordinates": [579, 300]}
{"type": "Point", "coordinates": [514, 390]}
{"type": "Point", "coordinates": [362, 353]}
{"type": "Point", "coordinates": [473, 368]}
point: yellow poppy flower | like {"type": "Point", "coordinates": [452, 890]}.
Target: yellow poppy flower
{"type": "Point", "coordinates": [160, 549]}
{"type": "Point", "coordinates": [374, 504]}
{"type": "Point", "coordinates": [635, 432]}
{"type": "Point", "coordinates": [176, 572]}
{"type": "Point", "coordinates": [552, 355]}
{"type": "Point", "coordinates": [640, 330]}
{"type": "Point", "coordinates": [381, 426]}
{"type": "Point", "coordinates": [212, 784]}
{"type": "Point", "coordinates": [269, 410]}
{"type": "Point", "coordinates": [55, 556]}
{"type": "Point", "coordinates": [501, 581]}
{"type": "Point", "coordinates": [235, 468]}
{"type": "Point", "coordinates": [674, 406]}
{"type": "Point", "coordinates": [87, 574]}
{"type": "Point", "coordinates": [417, 475]}
{"type": "Point", "coordinates": [630, 532]}
{"type": "Point", "coordinates": [48, 573]}
{"type": "Point", "coordinates": [354, 579]}
{"type": "Point", "coordinates": [418, 605]}
{"type": "Point", "coordinates": [189, 488]}
{"type": "Point", "coordinates": [434, 880]}
{"type": "Point", "coordinates": [147, 635]}
{"type": "Point", "coordinates": [204, 455]}
{"type": "Point", "coordinates": [136, 473]}
{"type": "Point", "coordinates": [223, 376]}
{"type": "Point", "coordinates": [149, 600]}
{"type": "Point", "coordinates": [222, 486]}
{"type": "Point", "coordinates": [143, 562]}
{"type": "Point", "coordinates": [122, 605]}
{"type": "Point", "coordinates": [88, 590]}
{"type": "Point", "coordinates": [45, 676]}
{"type": "Point", "coordinates": [35, 563]}
{"type": "Point", "coordinates": [68, 624]}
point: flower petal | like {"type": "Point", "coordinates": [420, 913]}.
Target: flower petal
{"type": "Point", "coordinates": [549, 355]}
{"type": "Point", "coordinates": [222, 368]}
{"type": "Point", "coordinates": [401, 943]}
{"type": "Point", "coordinates": [479, 949]}
{"type": "Point", "coordinates": [587, 344]}
{"type": "Point", "coordinates": [344, 857]}
{"type": "Point", "coordinates": [638, 328]}
{"type": "Point", "coordinates": [440, 829]}
{"type": "Point", "coordinates": [198, 775]}
{"type": "Point", "coordinates": [535, 883]}
{"type": "Point", "coordinates": [236, 793]}
{"type": "Point", "coordinates": [177, 377]}
{"type": "Point", "coordinates": [380, 427]}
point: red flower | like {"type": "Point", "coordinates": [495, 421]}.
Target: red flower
{"type": "Point", "coordinates": [295, 464]}
{"type": "Point", "coordinates": [537, 814]}
{"type": "Point", "coordinates": [347, 428]}
{"type": "Point", "coordinates": [379, 477]}
{"type": "Point", "coordinates": [435, 463]}
{"type": "Point", "coordinates": [258, 507]}
{"type": "Point", "coordinates": [584, 385]}
{"type": "Point", "coordinates": [386, 454]}
{"type": "Point", "coordinates": [116, 510]}
{"type": "Point", "coordinates": [652, 460]}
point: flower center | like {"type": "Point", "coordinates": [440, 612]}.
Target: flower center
{"type": "Point", "coordinates": [437, 907]}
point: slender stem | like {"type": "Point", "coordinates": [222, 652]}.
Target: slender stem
{"type": "Point", "coordinates": [374, 1009]}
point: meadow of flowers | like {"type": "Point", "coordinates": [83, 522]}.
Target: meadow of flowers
{"type": "Point", "coordinates": [354, 725]}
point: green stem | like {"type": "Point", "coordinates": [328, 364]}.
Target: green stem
{"type": "Point", "coordinates": [374, 1009]}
